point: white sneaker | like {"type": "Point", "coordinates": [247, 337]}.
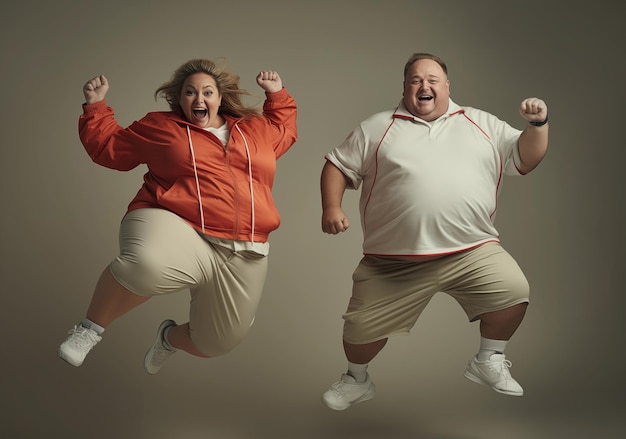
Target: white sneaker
{"type": "Point", "coordinates": [494, 372]}
{"type": "Point", "coordinates": [158, 353]}
{"type": "Point", "coordinates": [347, 391]}
{"type": "Point", "coordinates": [80, 341]}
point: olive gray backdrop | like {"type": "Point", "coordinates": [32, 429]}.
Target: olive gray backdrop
{"type": "Point", "coordinates": [342, 61]}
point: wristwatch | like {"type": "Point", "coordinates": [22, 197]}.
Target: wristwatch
{"type": "Point", "coordinates": [539, 124]}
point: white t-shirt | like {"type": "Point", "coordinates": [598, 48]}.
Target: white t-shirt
{"type": "Point", "coordinates": [221, 133]}
{"type": "Point", "coordinates": [429, 188]}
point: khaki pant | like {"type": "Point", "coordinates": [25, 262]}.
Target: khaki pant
{"type": "Point", "coordinates": [388, 295]}
{"type": "Point", "coordinates": [161, 254]}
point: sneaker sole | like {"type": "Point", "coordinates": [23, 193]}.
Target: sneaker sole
{"type": "Point", "coordinates": [366, 396]}
{"type": "Point", "coordinates": [478, 380]}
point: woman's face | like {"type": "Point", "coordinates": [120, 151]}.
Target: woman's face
{"type": "Point", "coordinates": [200, 100]}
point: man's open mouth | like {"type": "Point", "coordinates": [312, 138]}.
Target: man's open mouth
{"type": "Point", "coordinates": [424, 98]}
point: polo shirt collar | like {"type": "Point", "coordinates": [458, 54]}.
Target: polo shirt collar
{"type": "Point", "coordinates": [402, 113]}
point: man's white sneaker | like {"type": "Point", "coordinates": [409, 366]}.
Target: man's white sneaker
{"type": "Point", "coordinates": [494, 372]}
{"type": "Point", "coordinates": [158, 353]}
{"type": "Point", "coordinates": [347, 391]}
{"type": "Point", "coordinates": [78, 344]}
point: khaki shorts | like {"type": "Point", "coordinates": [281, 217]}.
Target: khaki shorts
{"type": "Point", "coordinates": [388, 295]}
{"type": "Point", "coordinates": [161, 254]}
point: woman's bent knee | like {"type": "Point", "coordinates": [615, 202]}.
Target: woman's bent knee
{"type": "Point", "coordinates": [212, 345]}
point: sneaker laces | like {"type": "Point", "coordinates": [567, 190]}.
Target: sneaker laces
{"type": "Point", "coordinates": [501, 367]}
{"type": "Point", "coordinates": [161, 353]}
{"type": "Point", "coordinates": [339, 387]}
{"type": "Point", "coordinates": [82, 337]}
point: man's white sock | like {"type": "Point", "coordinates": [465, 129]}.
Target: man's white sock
{"type": "Point", "coordinates": [93, 326]}
{"type": "Point", "coordinates": [358, 371]}
{"type": "Point", "coordinates": [488, 347]}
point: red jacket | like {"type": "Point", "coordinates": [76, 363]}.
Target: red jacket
{"type": "Point", "coordinates": [183, 160]}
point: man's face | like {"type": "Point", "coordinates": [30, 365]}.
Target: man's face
{"type": "Point", "coordinates": [426, 90]}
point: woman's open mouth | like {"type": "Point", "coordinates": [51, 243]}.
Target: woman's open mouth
{"type": "Point", "coordinates": [200, 113]}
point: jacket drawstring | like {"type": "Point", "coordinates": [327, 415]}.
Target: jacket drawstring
{"type": "Point", "coordinates": [195, 171]}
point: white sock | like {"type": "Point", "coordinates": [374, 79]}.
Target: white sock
{"type": "Point", "coordinates": [488, 347]}
{"type": "Point", "coordinates": [358, 371]}
{"type": "Point", "coordinates": [93, 326]}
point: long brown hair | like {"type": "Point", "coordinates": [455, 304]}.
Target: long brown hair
{"type": "Point", "coordinates": [227, 85]}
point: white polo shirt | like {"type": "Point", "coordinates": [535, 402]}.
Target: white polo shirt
{"type": "Point", "coordinates": [429, 188]}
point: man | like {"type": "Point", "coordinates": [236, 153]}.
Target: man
{"type": "Point", "coordinates": [431, 172]}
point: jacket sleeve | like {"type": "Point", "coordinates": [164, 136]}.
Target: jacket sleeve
{"type": "Point", "coordinates": [107, 143]}
{"type": "Point", "coordinates": [281, 111]}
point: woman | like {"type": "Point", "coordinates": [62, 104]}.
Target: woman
{"type": "Point", "coordinates": [202, 217]}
